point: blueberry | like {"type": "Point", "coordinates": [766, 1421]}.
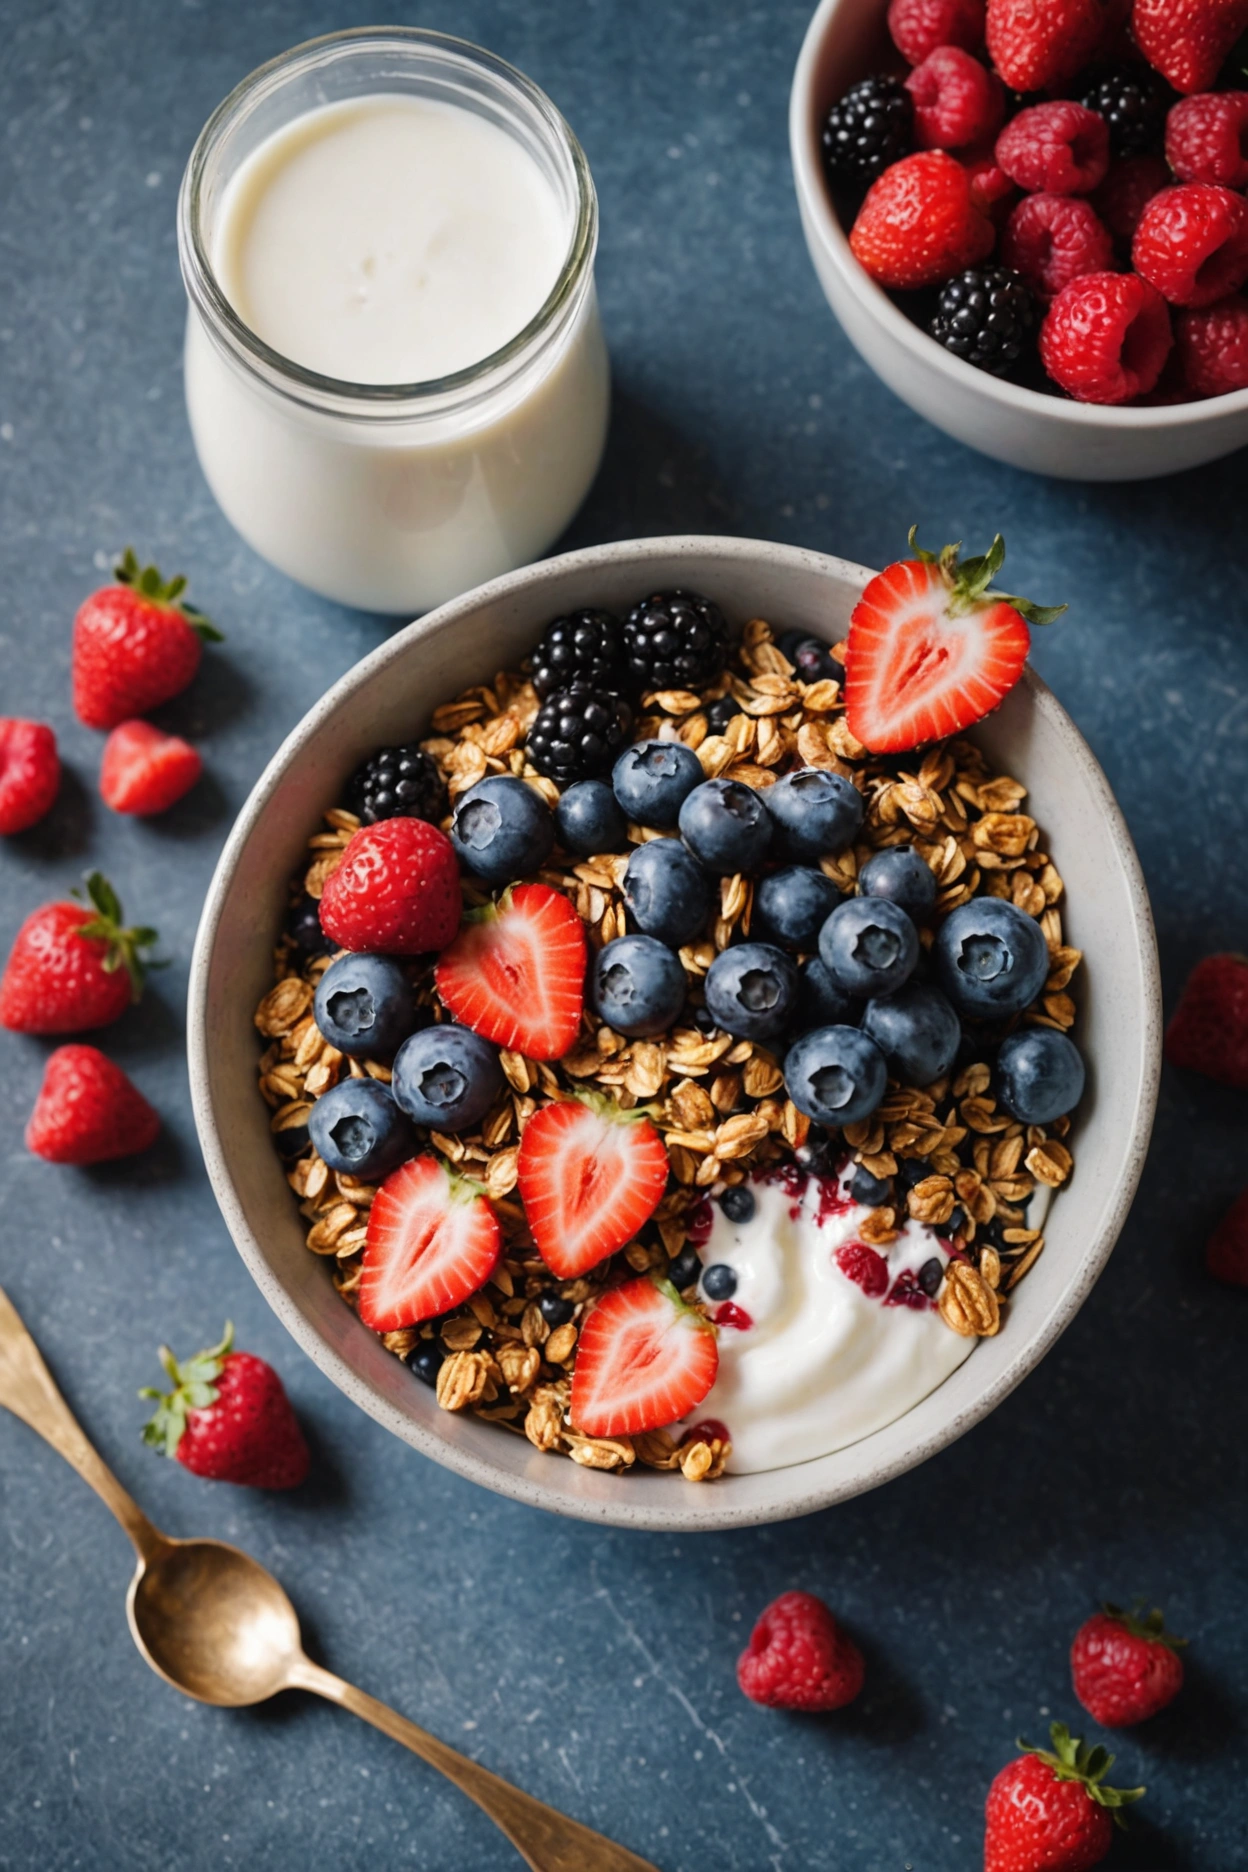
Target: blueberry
{"type": "Point", "coordinates": [791, 906]}
{"type": "Point", "coordinates": [554, 1309]}
{"type": "Point", "coordinates": [904, 878]}
{"type": "Point", "coordinates": [990, 959]}
{"type": "Point", "coordinates": [303, 926]}
{"type": "Point", "coordinates": [835, 1075]}
{"type": "Point", "coordinates": [667, 891]}
{"type": "Point", "coordinates": [738, 1203]}
{"type": "Point", "coordinates": [869, 946]}
{"type": "Point", "coordinates": [910, 1171]}
{"type": "Point", "coordinates": [502, 830]}
{"type": "Point", "coordinates": [703, 1020]}
{"type": "Point", "coordinates": [956, 1224]}
{"type": "Point", "coordinates": [726, 826]}
{"type": "Point", "coordinates": [1040, 1075]}
{"type": "Point", "coordinates": [916, 1030]}
{"type": "Point", "coordinates": [292, 1142]}
{"type": "Point", "coordinates": [930, 1276]}
{"type": "Point", "coordinates": [821, 1001]}
{"type": "Point", "coordinates": [364, 1006]}
{"type": "Point", "coordinates": [869, 1189]}
{"type": "Point", "coordinates": [652, 779]}
{"type": "Point", "coordinates": [719, 1282]}
{"type": "Point", "coordinates": [818, 1156]}
{"type": "Point", "coordinates": [815, 812]}
{"type": "Point", "coordinates": [447, 1077]}
{"type": "Point", "coordinates": [812, 661]}
{"type": "Point", "coordinates": [425, 1361]}
{"type": "Point", "coordinates": [357, 1128]}
{"type": "Point", "coordinates": [637, 985]}
{"type": "Point", "coordinates": [685, 1269]}
{"type": "Point", "coordinates": [588, 820]}
{"type": "Point", "coordinates": [721, 712]}
{"type": "Point", "coordinates": [751, 990]}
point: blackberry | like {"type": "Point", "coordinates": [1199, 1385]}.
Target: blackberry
{"type": "Point", "coordinates": [721, 712]}
{"type": "Point", "coordinates": [1134, 102]}
{"type": "Point", "coordinates": [675, 640]}
{"type": "Point", "coordinates": [584, 647]}
{"type": "Point", "coordinates": [871, 127]}
{"type": "Point", "coordinates": [578, 734]}
{"type": "Point", "coordinates": [398, 782]}
{"type": "Point", "coordinates": [986, 316]}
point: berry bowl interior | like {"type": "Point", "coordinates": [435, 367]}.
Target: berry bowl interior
{"type": "Point", "coordinates": [387, 698]}
{"type": "Point", "coordinates": [848, 40]}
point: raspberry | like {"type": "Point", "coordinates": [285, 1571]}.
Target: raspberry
{"type": "Point", "coordinates": [1192, 243]}
{"type": "Point", "coordinates": [799, 1658]}
{"type": "Point", "coordinates": [30, 773]}
{"type": "Point", "coordinates": [1053, 239]}
{"type": "Point", "coordinates": [1127, 191]}
{"type": "Point", "coordinates": [919, 26]}
{"type": "Point", "coordinates": [1211, 346]}
{"type": "Point", "coordinates": [1106, 338]}
{"type": "Point", "coordinates": [1207, 138]}
{"type": "Point", "coordinates": [1061, 147]}
{"type": "Point", "coordinates": [957, 101]}
{"type": "Point", "coordinates": [991, 188]}
{"type": "Point", "coordinates": [864, 1267]}
{"type": "Point", "coordinates": [918, 225]}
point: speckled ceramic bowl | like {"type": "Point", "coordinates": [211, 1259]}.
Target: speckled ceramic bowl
{"type": "Point", "coordinates": [846, 40]}
{"type": "Point", "coordinates": [386, 699]}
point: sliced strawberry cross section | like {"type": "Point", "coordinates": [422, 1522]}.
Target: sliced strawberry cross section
{"type": "Point", "coordinates": [516, 972]}
{"type": "Point", "coordinates": [932, 648]}
{"type": "Point", "coordinates": [644, 1361]}
{"type": "Point", "coordinates": [433, 1239]}
{"type": "Point", "coordinates": [590, 1175]}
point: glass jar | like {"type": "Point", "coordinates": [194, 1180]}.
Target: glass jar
{"type": "Point", "coordinates": [394, 497]}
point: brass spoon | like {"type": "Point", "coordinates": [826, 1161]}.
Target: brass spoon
{"type": "Point", "coordinates": [213, 1623]}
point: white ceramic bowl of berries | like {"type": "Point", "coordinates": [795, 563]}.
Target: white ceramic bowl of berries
{"type": "Point", "coordinates": [1031, 221]}
{"type": "Point", "coordinates": [389, 701]}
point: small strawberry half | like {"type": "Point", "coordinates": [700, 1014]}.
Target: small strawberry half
{"type": "Point", "coordinates": [30, 773]}
{"type": "Point", "coordinates": [136, 644]}
{"type": "Point", "coordinates": [73, 967]}
{"type": "Point", "coordinates": [590, 1175]}
{"type": "Point", "coordinates": [396, 890]}
{"type": "Point", "coordinates": [932, 648]}
{"type": "Point", "coordinates": [516, 972]}
{"type": "Point", "coordinates": [228, 1418]}
{"type": "Point", "coordinates": [1125, 1666]}
{"type": "Point", "coordinates": [432, 1240]}
{"type": "Point", "coordinates": [88, 1111]}
{"type": "Point", "coordinates": [644, 1360]}
{"type": "Point", "coordinates": [144, 771]}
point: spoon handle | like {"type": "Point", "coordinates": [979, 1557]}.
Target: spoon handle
{"type": "Point", "coordinates": [546, 1840]}
{"type": "Point", "coordinates": [27, 1389]}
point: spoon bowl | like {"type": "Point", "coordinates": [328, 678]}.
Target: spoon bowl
{"type": "Point", "coordinates": [214, 1623]}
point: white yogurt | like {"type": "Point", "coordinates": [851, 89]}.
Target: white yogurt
{"type": "Point", "coordinates": [382, 241]}
{"type": "Point", "coordinates": [822, 1361]}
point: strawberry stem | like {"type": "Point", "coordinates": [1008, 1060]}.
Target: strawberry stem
{"type": "Point", "coordinates": [1072, 1760]}
{"type": "Point", "coordinates": [1142, 1624]}
{"type": "Point", "coordinates": [147, 581]}
{"type": "Point", "coordinates": [124, 945]}
{"type": "Point", "coordinates": [970, 580]}
{"type": "Point", "coordinates": [194, 1387]}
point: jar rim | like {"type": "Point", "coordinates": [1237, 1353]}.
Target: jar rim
{"type": "Point", "coordinates": [317, 388]}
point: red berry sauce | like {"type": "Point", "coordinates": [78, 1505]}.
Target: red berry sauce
{"type": "Point", "coordinates": [730, 1314]}
{"type": "Point", "coordinates": [864, 1267]}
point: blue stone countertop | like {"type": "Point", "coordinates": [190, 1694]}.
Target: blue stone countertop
{"type": "Point", "coordinates": [593, 1667]}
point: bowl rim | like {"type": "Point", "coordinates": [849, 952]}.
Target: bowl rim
{"type": "Point", "coordinates": [816, 208]}
{"type": "Point", "coordinates": [684, 1516]}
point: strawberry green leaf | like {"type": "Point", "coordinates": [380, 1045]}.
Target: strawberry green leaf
{"type": "Point", "coordinates": [147, 581]}
{"type": "Point", "coordinates": [194, 1388]}
{"type": "Point", "coordinates": [124, 946]}
{"type": "Point", "coordinates": [1072, 1760]}
{"type": "Point", "coordinates": [1143, 1624]}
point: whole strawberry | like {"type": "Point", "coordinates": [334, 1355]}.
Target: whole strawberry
{"type": "Point", "coordinates": [73, 966]}
{"type": "Point", "coordinates": [228, 1418]}
{"type": "Point", "coordinates": [919, 224]}
{"type": "Point", "coordinates": [1125, 1666]}
{"type": "Point", "coordinates": [30, 773]}
{"type": "Point", "coordinates": [1226, 1251]}
{"type": "Point", "coordinates": [396, 890]}
{"type": "Point", "coordinates": [1187, 40]}
{"type": "Point", "coordinates": [1049, 1810]}
{"type": "Point", "coordinates": [1036, 44]}
{"type": "Point", "coordinates": [799, 1658]}
{"type": "Point", "coordinates": [1208, 1031]}
{"type": "Point", "coordinates": [136, 643]}
{"type": "Point", "coordinates": [88, 1111]}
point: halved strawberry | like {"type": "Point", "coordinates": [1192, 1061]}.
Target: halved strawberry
{"type": "Point", "coordinates": [932, 649]}
{"type": "Point", "coordinates": [432, 1240]}
{"type": "Point", "coordinates": [590, 1175]}
{"type": "Point", "coordinates": [644, 1360]}
{"type": "Point", "coordinates": [145, 771]}
{"type": "Point", "coordinates": [516, 972]}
